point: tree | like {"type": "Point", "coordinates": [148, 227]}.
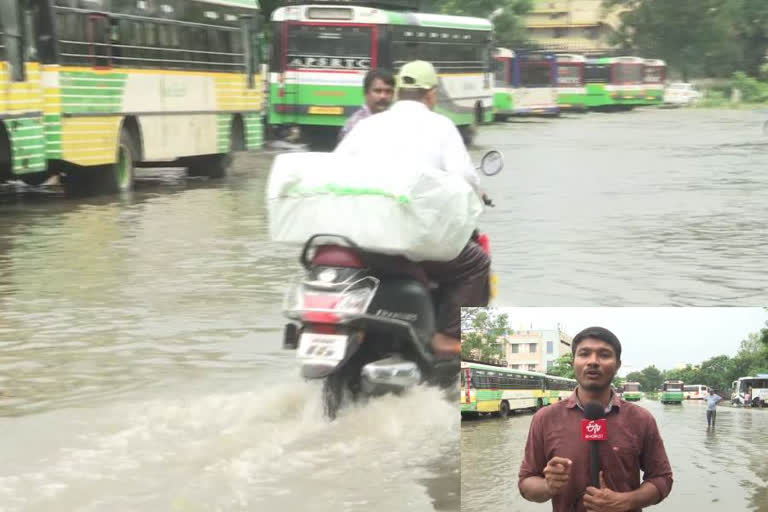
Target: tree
{"type": "Point", "coordinates": [563, 367]}
{"type": "Point", "coordinates": [696, 37]}
{"type": "Point", "coordinates": [509, 26]}
{"type": "Point", "coordinates": [651, 379]}
{"type": "Point", "coordinates": [482, 333]}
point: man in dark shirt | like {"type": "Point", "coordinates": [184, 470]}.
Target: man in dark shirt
{"type": "Point", "coordinates": [379, 90]}
{"type": "Point", "coordinates": [556, 462]}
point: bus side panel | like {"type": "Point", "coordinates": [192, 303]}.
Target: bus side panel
{"type": "Point", "coordinates": [233, 96]}
{"type": "Point", "coordinates": [84, 99]}
{"type": "Point", "coordinates": [176, 112]}
{"type": "Point", "coordinates": [22, 103]}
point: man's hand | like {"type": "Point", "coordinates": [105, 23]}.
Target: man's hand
{"type": "Point", "coordinates": [488, 201]}
{"type": "Point", "coordinates": [556, 474]}
{"type": "Point", "coordinates": [604, 499]}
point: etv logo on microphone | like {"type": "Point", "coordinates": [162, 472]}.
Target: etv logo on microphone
{"type": "Point", "coordinates": [593, 430]}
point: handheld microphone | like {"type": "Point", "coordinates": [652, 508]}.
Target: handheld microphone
{"type": "Point", "coordinates": [593, 429]}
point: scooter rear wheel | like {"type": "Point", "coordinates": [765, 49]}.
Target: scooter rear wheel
{"type": "Point", "coordinates": [332, 392]}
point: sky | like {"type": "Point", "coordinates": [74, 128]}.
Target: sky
{"type": "Point", "coordinates": [665, 337]}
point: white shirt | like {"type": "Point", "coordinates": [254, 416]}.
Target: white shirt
{"type": "Point", "coordinates": [411, 134]}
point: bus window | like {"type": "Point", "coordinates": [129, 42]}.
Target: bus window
{"type": "Point", "coordinates": [13, 37]}
{"type": "Point", "coordinates": [629, 74]}
{"type": "Point", "coordinates": [535, 75]}
{"type": "Point", "coordinates": [99, 40]}
{"type": "Point", "coordinates": [597, 74]}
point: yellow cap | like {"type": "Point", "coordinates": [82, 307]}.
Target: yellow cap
{"type": "Point", "coordinates": [417, 74]}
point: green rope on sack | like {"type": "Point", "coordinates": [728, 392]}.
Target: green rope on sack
{"type": "Point", "coordinates": [339, 190]}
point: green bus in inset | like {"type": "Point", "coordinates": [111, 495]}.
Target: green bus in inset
{"type": "Point", "coordinates": [632, 392]}
{"type": "Point", "coordinates": [672, 392]}
{"type": "Point", "coordinates": [496, 389]}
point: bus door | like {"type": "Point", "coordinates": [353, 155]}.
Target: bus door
{"type": "Point", "coordinates": [325, 64]}
{"type": "Point", "coordinates": [21, 97]}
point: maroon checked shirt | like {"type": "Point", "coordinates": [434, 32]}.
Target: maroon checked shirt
{"type": "Point", "coordinates": [633, 444]}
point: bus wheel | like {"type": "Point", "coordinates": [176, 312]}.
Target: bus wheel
{"type": "Point", "coordinates": [468, 133]}
{"type": "Point", "coordinates": [504, 409]}
{"type": "Point", "coordinates": [210, 166]}
{"type": "Point", "coordinates": [118, 177]}
{"type": "Point", "coordinates": [35, 179]}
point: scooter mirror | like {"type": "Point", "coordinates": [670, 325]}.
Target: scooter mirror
{"type": "Point", "coordinates": [492, 163]}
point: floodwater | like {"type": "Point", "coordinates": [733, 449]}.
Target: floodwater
{"type": "Point", "coordinates": [140, 336]}
{"type": "Point", "coordinates": [650, 207]}
{"type": "Point", "coordinates": [722, 469]}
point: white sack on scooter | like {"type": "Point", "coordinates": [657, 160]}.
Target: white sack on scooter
{"type": "Point", "coordinates": [423, 214]}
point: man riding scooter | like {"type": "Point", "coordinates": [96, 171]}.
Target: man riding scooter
{"type": "Point", "coordinates": [411, 134]}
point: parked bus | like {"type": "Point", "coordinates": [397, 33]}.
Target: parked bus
{"type": "Point", "coordinates": [632, 392]}
{"type": "Point", "coordinates": [654, 76]}
{"type": "Point", "coordinates": [614, 82]}
{"type": "Point", "coordinates": [89, 89]}
{"type": "Point", "coordinates": [571, 89]}
{"type": "Point", "coordinates": [524, 84]}
{"type": "Point", "coordinates": [322, 52]}
{"type": "Point", "coordinates": [695, 391]}
{"type": "Point", "coordinates": [487, 388]}
{"type": "Point", "coordinates": [672, 392]}
{"type": "Point", "coordinates": [756, 387]}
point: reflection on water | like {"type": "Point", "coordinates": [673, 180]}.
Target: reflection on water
{"type": "Point", "coordinates": [724, 469]}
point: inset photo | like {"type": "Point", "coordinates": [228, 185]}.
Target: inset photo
{"type": "Point", "coordinates": [608, 409]}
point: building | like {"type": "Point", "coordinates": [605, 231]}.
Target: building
{"type": "Point", "coordinates": [573, 26]}
{"type": "Point", "coordinates": [536, 349]}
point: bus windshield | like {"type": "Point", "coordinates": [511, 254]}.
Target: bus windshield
{"type": "Point", "coordinates": [328, 47]}
{"type": "Point", "coordinates": [629, 73]}
{"type": "Point", "coordinates": [569, 74]}
{"type": "Point", "coordinates": [654, 75]}
{"type": "Point", "coordinates": [597, 74]}
{"type": "Point", "coordinates": [535, 74]}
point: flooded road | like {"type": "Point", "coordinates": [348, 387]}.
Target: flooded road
{"type": "Point", "coordinates": [651, 207]}
{"type": "Point", "coordinates": [724, 469]}
{"type": "Point", "coordinates": [141, 367]}
{"type": "Point", "coordinates": [140, 359]}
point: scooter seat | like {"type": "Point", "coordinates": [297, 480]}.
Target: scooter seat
{"type": "Point", "coordinates": [382, 265]}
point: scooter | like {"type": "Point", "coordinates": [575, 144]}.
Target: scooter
{"type": "Point", "coordinates": [363, 322]}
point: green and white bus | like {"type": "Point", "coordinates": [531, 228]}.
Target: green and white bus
{"type": "Point", "coordinates": [322, 51]}
{"type": "Point", "coordinates": [496, 389]}
{"type": "Point", "coordinates": [524, 84]}
{"type": "Point", "coordinates": [90, 89]}
{"type": "Point", "coordinates": [654, 76]}
{"type": "Point", "coordinates": [632, 392]}
{"type": "Point", "coordinates": [570, 87]}
{"type": "Point", "coordinates": [672, 392]}
{"type": "Point", "coordinates": [614, 83]}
